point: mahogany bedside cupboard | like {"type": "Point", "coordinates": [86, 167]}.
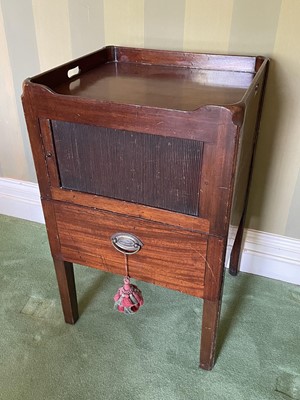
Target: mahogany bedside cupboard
{"type": "Point", "coordinates": [151, 143]}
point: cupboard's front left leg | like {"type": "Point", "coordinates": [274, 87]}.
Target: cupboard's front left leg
{"type": "Point", "coordinates": [66, 284]}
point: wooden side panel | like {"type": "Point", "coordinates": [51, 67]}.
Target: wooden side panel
{"type": "Point", "coordinates": [217, 175]}
{"type": "Point", "coordinates": [246, 151]}
{"type": "Point", "coordinates": [170, 257]}
{"type": "Point", "coordinates": [158, 171]}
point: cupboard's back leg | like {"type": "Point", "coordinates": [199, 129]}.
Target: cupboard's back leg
{"type": "Point", "coordinates": [235, 256]}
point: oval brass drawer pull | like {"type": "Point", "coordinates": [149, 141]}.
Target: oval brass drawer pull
{"type": "Point", "coordinates": [126, 243]}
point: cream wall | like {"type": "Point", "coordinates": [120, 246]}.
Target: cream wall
{"type": "Point", "coordinates": [37, 34]}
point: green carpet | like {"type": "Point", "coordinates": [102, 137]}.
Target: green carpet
{"type": "Point", "coordinates": [152, 355]}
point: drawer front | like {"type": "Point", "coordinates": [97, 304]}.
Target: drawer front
{"type": "Point", "coordinates": [170, 257]}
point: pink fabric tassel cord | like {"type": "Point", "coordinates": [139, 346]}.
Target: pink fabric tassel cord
{"type": "Point", "coordinates": [128, 298]}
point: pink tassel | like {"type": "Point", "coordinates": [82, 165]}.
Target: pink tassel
{"type": "Point", "coordinates": [128, 298]}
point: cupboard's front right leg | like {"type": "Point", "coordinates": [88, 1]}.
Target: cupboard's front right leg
{"type": "Point", "coordinates": [210, 320]}
{"type": "Point", "coordinates": [213, 288]}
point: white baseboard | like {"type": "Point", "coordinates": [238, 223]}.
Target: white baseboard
{"type": "Point", "coordinates": [264, 254]}
{"type": "Point", "coordinates": [20, 199]}
{"type": "Point", "coordinates": [270, 255]}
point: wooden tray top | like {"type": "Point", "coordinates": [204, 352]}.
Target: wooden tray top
{"type": "Point", "coordinates": [132, 80]}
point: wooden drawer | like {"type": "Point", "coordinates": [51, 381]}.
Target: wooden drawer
{"type": "Point", "coordinates": [171, 257]}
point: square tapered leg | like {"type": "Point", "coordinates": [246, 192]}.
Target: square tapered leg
{"type": "Point", "coordinates": [66, 284]}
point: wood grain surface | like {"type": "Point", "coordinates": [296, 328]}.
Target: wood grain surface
{"type": "Point", "coordinates": [178, 220]}
{"type": "Point", "coordinates": [170, 257]}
